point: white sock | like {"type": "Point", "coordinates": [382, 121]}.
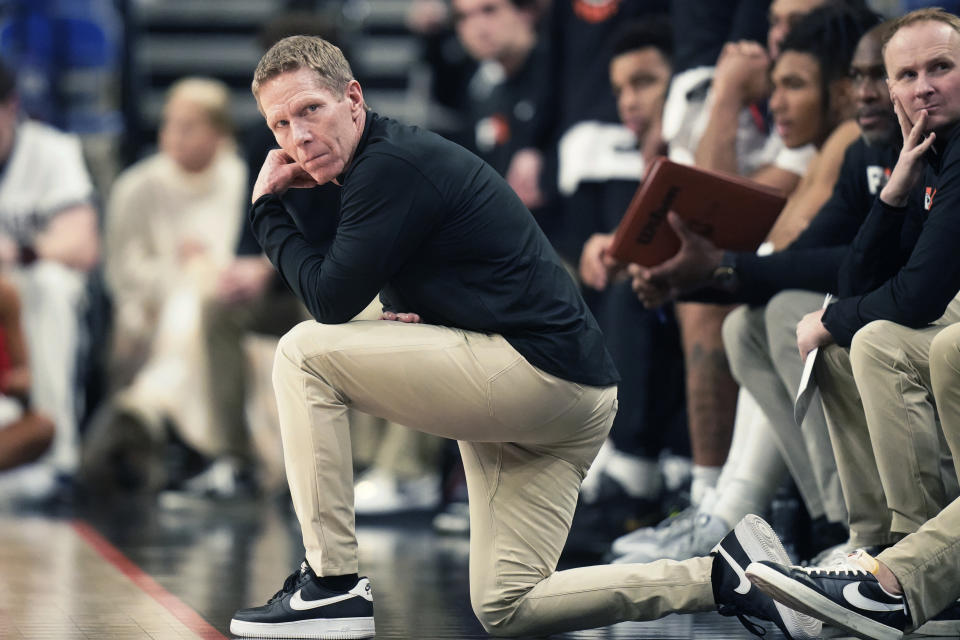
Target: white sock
{"type": "Point", "coordinates": [639, 477]}
{"type": "Point", "coordinates": [590, 487]}
{"type": "Point", "coordinates": [703, 478]}
{"type": "Point", "coordinates": [743, 497]}
{"type": "Point", "coordinates": [675, 471]}
{"type": "Point", "coordinates": [707, 501]}
{"type": "Point", "coordinates": [754, 467]}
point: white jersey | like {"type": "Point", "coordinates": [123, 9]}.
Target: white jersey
{"type": "Point", "coordinates": [685, 116]}
{"type": "Point", "coordinates": [592, 151]}
{"type": "Point", "coordinates": [44, 175]}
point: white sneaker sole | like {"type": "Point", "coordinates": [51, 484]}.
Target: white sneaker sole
{"type": "Point", "coordinates": [808, 601]}
{"type": "Point", "coordinates": [940, 628]}
{"type": "Point", "coordinates": [333, 629]}
{"type": "Point", "coordinates": [760, 542]}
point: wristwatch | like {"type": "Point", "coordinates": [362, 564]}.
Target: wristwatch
{"type": "Point", "coordinates": [725, 273]}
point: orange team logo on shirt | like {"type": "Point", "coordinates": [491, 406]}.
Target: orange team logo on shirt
{"type": "Point", "coordinates": [928, 198]}
{"type": "Point", "coordinates": [493, 131]}
{"type": "Point", "coordinates": [501, 128]}
{"type": "Point", "coordinates": [595, 10]}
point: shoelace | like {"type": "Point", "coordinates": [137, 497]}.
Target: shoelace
{"type": "Point", "coordinates": [839, 569]}
{"type": "Point", "coordinates": [290, 582]}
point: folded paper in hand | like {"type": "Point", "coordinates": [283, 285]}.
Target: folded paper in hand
{"type": "Point", "coordinates": [808, 386]}
{"type": "Point", "coordinates": [733, 212]}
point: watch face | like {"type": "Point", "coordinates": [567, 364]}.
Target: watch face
{"type": "Point", "coordinates": [724, 275]}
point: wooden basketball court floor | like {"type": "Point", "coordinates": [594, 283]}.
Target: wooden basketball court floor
{"type": "Point", "coordinates": [138, 570]}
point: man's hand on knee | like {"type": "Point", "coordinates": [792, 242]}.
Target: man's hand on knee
{"type": "Point", "coordinates": [400, 317]}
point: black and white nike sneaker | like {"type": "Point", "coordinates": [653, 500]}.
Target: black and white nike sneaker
{"type": "Point", "coordinates": [304, 608]}
{"type": "Point", "coordinates": [845, 595]}
{"type": "Point", "coordinates": [750, 541]}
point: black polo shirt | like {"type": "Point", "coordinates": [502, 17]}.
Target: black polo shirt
{"type": "Point", "coordinates": [438, 232]}
{"type": "Point", "coordinates": [904, 265]}
{"type": "Point", "coordinates": [813, 260]}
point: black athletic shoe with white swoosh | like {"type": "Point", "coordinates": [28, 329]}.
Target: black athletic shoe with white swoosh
{"type": "Point", "coordinates": [846, 595]}
{"type": "Point", "coordinates": [304, 608]}
{"type": "Point", "coordinates": [750, 541]}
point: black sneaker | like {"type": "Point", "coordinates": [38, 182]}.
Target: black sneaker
{"type": "Point", "coordinates": [304, 608]}
{"type": "Point", "coordinates": [847, 596]}
{"type": "Point", "coordinates": [752, 540]}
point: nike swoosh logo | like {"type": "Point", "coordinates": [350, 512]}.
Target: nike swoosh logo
{"type": "Point", "coordinates": [852, 594]}
{"type": "Point", "coordinates": [299, 604]}
{"type": "Point", "coordinates": [744, 585]}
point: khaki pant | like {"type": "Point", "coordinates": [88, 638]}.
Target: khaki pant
{"type": "Point", "coordinates": [381, 445]}
{"type": "Point", "coordinates": [526, 437]}
{"type": "Point", "coordinates": [401, 452]}
{"type": "Point", "coordinates": [868, 514]}
{"type": "Point", "coordinates": [945, 378]}
{"type": "Point", "coordinates": [226, 325]}
{"type": "Point", "coordinates": [761, 345]}
{"type": "Point", "coordinates": [927, 563]}
{"type": "Point", "coordinates": [883, 426]}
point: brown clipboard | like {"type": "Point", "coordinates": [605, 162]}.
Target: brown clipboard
{"type": "Point", "coordinates": [733, 212]}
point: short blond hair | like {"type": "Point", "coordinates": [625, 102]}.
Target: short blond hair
{"type": "Point", "coordinates": [304, 52]}
{"type": "Point", "coordinates": [211, 95]}
{"type": "Point", "coordinates": [931, 14]}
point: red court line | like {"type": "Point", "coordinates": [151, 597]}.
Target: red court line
{"type": "Point", "coordinates": [170, 602]}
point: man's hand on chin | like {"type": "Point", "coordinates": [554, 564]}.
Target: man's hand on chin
{"type": "Point", "coordinates": [279, 173]}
